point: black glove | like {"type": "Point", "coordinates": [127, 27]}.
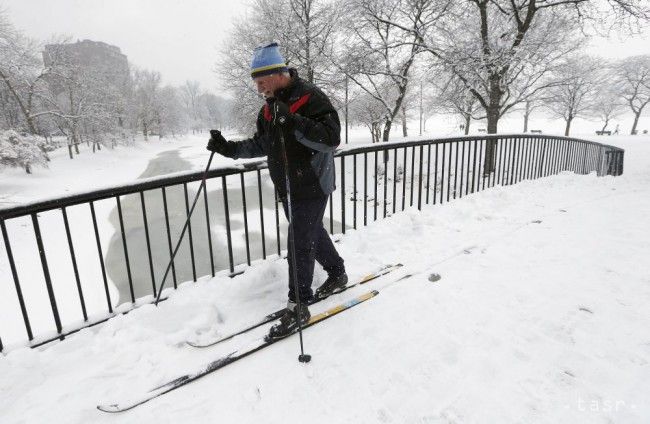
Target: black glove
{"type": "Point", "coordinates": [279, 112]}
{"type": "Point", "coordinates": [219, 144]}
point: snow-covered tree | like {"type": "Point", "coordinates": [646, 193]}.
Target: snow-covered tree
{"type": "Point", "coordinates": [369, 112]}
{"type": "Point", "coordinates": [633, 82]}
{"type": "Point", "coordinates": [452, 97]}
{"type": "Point", "coordinates": [576, 93]}
{"type": "Point", "coordinates": [533, 103]}
{"type": "Point", "coordinates": [190, 94]}
{"type": "Point", "coordinates": [22, 151]}
{"type": "Point", "coordinates": [171, 111]}
{"type": "Point", "coordinates": [147, 101]}
{"type": "Point", "coordinates": [608, 103]}
{"type": "Point", "coordinates": [24, 76]}
{"type": "Point", "coordinates": [504, 50]}
{"type": "Point", "coordinates": [378, 57]}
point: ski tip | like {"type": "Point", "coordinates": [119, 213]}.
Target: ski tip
{"type": "Point", "coordinates": [109, 408]}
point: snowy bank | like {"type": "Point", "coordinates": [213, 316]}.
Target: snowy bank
{"type": "Point", "coordinates": [540, 316]}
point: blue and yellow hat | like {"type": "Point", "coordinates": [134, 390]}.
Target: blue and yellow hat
{"type": "Point", "coordinates": [267, 60]}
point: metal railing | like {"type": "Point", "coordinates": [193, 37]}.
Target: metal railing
{"type": "Point", "coordinates": [96, 280]}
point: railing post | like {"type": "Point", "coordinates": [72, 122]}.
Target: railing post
{"type": "Point", "coordinates": [420, 178]}
{"type": "Point", "coordinates": [148, 241]}
{"type": "Point", "coordinates": [14, 273]}
{"type": "Point", "coordinates": [259, 188]}
{"type": "Point", "coordinates": [462, 168]}
{"type": "Point", "coordinates": [46, 273]}
{"type": "Point", "coordinates": [189, 230]}
{"type": "Point", "coordinates": [374, 202]}
{"type": "Point", "coordinates": [224, 188]}
{"type": "Point", "coordinates": [541, 160]}
{"type": "Point", "coordinates": [73, 258]}
{"type": "Point", "coordinates": [343, 194]}
{"type": "Point", "coordinates": [354, 189]}
{"type": "Point", "coordinates": [100, 254]}
{"type": "Point", "coordinates": [125, 248]}
{"type": "Point", "coordinates": [245, 213]}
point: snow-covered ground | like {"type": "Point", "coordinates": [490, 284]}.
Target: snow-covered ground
{"type": "Point", "coordinates": [540, 316]}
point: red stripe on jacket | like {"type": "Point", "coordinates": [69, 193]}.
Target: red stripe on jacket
{"type": "Point", "coordinates": [293, 108]}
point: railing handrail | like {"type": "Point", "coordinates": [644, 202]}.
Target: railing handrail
{"type": "Point", "coordinates": [232, 169]}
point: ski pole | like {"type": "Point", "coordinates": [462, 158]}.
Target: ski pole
{"type": "Point", "coordinates": [187, 222]}
{"type": "Point", "coordinates": [302, 357]}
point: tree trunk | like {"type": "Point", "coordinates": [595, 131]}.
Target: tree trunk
{"type": "Point", "coordinates": [23, 108]}
{"type": "Point", "coordinates": [28, 168]}
{"type": "Point", "coordinates": [636, 121]}
{"type": "Point", "coordinates": [404, 129]}
{"type": "Point", "coordinates": [526, 116]}
{"type": "Point", "coordinates": [490, 146]}
{"type": "Point", "coordinates": [492, 119]}
{"type": "Point", "coordinates": [605, 126]}
{"type": "Point", "coordinates": [387, 126]}
{"type": "Point", "coordinates": [568, 126]}
{"type": "Point", "coordinates": [492, 111]}
{"type": "Point", "coordinates": [468, 120]}
{"type": "Point", "coordinates": [144, 131]}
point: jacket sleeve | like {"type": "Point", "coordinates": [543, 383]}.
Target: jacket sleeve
{"type": "Point", "coordinates": [253, 147]}
{"type": "Point", "coordinates": [319, 128]}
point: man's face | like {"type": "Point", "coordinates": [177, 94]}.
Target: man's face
{"type": "Point", "coordinates": [268, 84]}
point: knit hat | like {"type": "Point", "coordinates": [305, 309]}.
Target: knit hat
{"type": "Point", "coordinates": [267, 60]}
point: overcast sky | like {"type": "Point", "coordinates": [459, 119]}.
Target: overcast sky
{"type": "Point", "coordinates": [179, 38]}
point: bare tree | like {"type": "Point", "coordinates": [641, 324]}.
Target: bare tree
{"type": "Point", "coordinates": [633, 81]}
{"type": "Point", "coordinates": [172, 112]}
{"type": "Point", "coordinates": [190, 93]}
{"type": "Point", "coordinates": [503, 50]}
{"type": "Point", "coordinates": [147, 91]}
{"type": "Point", "coordinates": [378, 57]}
{"type": "Point", "coordinates": [452, 97]}
{"type": "Point", "coordinates": [608, 103]}
{"type": "Point", "coordinates": [25, 76]}
{"type": "Point", "coordinates": [368, 111]}
{"type": "Point", "coordinates": [215, 110]}
{"type": "Point", "coordinates": [533, 103]}
{"type": "Point", "coordinates": [576, 95]}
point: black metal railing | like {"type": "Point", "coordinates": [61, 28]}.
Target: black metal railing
{"type": "Point", "coordinates": [98, 273]}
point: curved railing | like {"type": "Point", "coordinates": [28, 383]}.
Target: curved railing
{"type": "Point", "coordinates": [77, 260]}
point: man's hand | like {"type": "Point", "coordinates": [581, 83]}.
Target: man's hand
{"type": "Point", "coordinates": [279, 111]}
{"type": "Point", "coordinates": [218, 143]}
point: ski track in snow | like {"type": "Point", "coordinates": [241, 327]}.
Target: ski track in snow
{"type": "Point", "coordinates": [541, 316]}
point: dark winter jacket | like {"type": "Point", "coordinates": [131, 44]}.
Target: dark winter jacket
{"type": "Point", "coordinates": [310, 139]}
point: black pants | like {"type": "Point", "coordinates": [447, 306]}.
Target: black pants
{"type": "Point", "coordinates": [312, 243]}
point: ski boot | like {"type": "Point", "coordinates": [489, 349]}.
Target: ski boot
{"type": "Point", "coordinates": [289, 321]}
{"type": "Point", "coordinates": [332, 285]}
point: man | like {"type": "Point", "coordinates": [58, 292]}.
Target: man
{"type": "Point", "coordinates": [303, 115]}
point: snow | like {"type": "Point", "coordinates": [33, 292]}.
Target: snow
{"type": "Point", "coordinates": [540, 316]}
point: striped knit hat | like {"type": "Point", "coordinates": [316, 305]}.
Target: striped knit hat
{"type": "Point", "coordinates": [267, 60]}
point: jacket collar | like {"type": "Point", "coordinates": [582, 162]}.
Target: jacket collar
{"type": "Point", "coordinates": [288, 93]}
